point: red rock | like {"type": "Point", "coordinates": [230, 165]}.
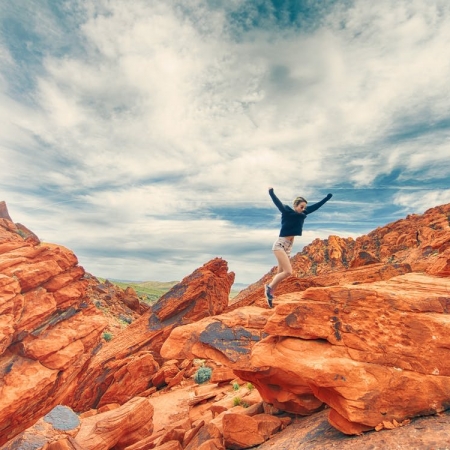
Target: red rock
{"type": "Point", "coordinates": [208, 437]}
{"type": "Point", "coordinates": [376, 356]}
{"type": "Point", "coordinates": [44, 346]}
{"type": "Point", "coordinates": [108, 407]}
{"type": "Point", "coordinates": [241, 432]}
{"type": "Point", "coordinates": [189, 434]}
{"type": "Point", "coordinates": [171, 445]}
{"type": "Point", "coordinates": [63, 444]}
{"type": "Point", "coordinates": [417, 243]}
{"type": "Point", "coordinates": [165, 374]}
{"type": "Point", "coordinates": [174, 434]}
{"type": "Point", "coordinates": [268, 425]}
{"type": "Point", "coordinates": [118, 428]}
{"type": "Point", "coordinates": [224, 338]}
{"type": "Point", "coordinates": [199, 295]}
{"type": "Point", "coordinates": [356, 331]}
{"type": "Point", "coordinates": [4, 214]}
{"type": "Point", "coordinates": [222, 374]}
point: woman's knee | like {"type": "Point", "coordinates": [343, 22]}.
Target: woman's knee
{"type": "Point", "coordinates": [287, 272]}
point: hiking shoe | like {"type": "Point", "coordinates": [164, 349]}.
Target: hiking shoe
{"type": "Point", "coordinates": [269, 295]}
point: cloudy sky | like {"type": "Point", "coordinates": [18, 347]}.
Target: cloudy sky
{"type": "Point", "coordinates": [144, 134]}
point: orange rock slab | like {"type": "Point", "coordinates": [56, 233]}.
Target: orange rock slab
{"type": "Point", "coordinates": [373, 353]}
{"type": "Point", "coordinates": [201, 294]}
{"type": "Point", "coordinates": [119, 428]}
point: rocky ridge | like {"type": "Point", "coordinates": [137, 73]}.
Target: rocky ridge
{"type": "Point", "coordinates": [358, 335]}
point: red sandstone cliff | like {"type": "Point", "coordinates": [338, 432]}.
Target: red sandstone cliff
{"type": "Point", "coordinates": [418, 243]}
{"type": "Point", "coordinates": [360, 331]}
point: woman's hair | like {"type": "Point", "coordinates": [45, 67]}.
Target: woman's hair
{"type": "Point", "coordinates": [298, 200]}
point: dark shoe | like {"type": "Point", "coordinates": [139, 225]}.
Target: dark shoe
{"type": "Point", "coordinates": [269, 295]}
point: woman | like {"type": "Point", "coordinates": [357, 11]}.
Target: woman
{"type": "Point", "coordinates": [291, 226]}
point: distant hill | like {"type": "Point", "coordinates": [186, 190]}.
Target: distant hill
{"type": "Point", "coordinates": [151, 291]}
{"type": "Point", "coordinates": [163, 285]}
{"type": "Point", "coordinates": [148, 291]}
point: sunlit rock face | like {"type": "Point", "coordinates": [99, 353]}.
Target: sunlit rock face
{"type": "Point", "coordinates": [49, 328]}
{"type": "Point", "coordinates": [51, 343]}
{"type": "Point", "coordinates": [359, 333]}
{"type": "Point", "coordinates": [369, 338]}
{"type": "Point", "coordinates": [418, 243]}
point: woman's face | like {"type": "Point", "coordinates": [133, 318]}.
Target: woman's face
{"type": "Point", "coordinates": [300, 207]}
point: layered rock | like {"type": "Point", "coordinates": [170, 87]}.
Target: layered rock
{"type": "Point", "coordinates": [125, 367]}
{"type": "Point", "coordinates": [49, 329]}
{"type": "Point", "coordinates": [418, 243]}
{"type": "Point", "coordinates": [116, 427]}
{"type": "Point", "coordinates": [344, 338]}
{"type": "Point", "coordinates": [360, 332]}
{"type": "Point", "coordinates": [53, 316]}
{"type": "Point", "coordinates": [373, 352]}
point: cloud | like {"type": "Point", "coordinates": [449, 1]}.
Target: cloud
{"type": "Point", "coordinates": [144, 134]}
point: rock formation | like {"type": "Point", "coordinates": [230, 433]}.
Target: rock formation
{"type": "Point", "coordinates": [375, 353]}
{"type": "Point", "coordinates": [418, 243]}
{"type": "Point", "coordinates": [359, 336]}
{"type": "Point", "coordinates": [49, 328]}
{"type": "Point", "coordinates": [53, 314]}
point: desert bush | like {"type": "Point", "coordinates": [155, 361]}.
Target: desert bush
{"type": "Point", "coordinates": [202, 375]}
{"type": "Point", "coordinates": [107, 336]}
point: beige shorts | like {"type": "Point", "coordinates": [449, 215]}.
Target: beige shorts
{"type": "Point", "coordinates": [284, 244]}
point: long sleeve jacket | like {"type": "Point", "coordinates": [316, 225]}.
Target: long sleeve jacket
{"type": "Point", "coordinates": [291, 220]}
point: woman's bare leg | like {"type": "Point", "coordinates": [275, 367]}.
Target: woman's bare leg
{"type": "Point", "coordinates": [284, 268]}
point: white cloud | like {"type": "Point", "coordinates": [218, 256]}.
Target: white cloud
{"type": "Point", "coordinates": [414, 202]}
{"type": "Point", "coordinates": [135, 120]}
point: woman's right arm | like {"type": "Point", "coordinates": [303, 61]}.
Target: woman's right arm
{"type": "Point", "coordinates": [276, 200]}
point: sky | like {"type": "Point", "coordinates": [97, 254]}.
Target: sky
{"type": "Point", "coordinates": [144, 134]}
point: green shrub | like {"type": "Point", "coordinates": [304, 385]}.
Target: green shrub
{"type": "Point", "coordinates": [250, 386]}
{"type": "Point", "coordinates": [202, 375]}
{"type": "Point", "coordinates": [236, 386]}
{"type": "Point", "coordinates": [107, 336]}
{"type": "Point", "coordinates": [237, 401]}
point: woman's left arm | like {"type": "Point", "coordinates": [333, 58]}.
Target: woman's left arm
{"type": "Point", "coordinates": [311, 208]}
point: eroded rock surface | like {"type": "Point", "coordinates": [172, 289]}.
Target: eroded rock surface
{"type": "Point", "coordinates": [357, 341]}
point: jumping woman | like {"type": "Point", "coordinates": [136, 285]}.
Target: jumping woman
{"type": "Point", "coordinates": [291, 226]}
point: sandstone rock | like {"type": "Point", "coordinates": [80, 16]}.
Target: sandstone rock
{"type": "Point", "coordinates": [63, 444]}
{"type": "Point", "coordinates": [241, 431]}
{"type": "Point", "coordinates": [178, 305]}
{"type": "Point", "coordinates": [418, 243]}
{"type": "Point", "coordinates": [199, 295]}
{"type": "Point", "coordinates": [47, 432]}
{"type": "Point", "coordinates": [171, 445]}
{"type": "Point", "coordinates": [4, 214]}
{"type": "Point", "coordinates": [357, 332]}
{"type": "Point", "coordinates": [222, 374]}
{"type": "Point", "coordinates": [48, 331]}
{"type": "Point", "coordinates": [146, 443]}
{"type": "Point", "coordinates": [118, 428]}
{"type": "Point", "coordinates": [314, 432]}
{"type": "Point", "coordinates": [268, 425]}
{"type": "Point", "coordinates": [174, 434]}
{"type": "Point", "coordinates": [209, 437]}
{"type": "Point", "coordinates": [386, 343]}
{"type": "Point", "coordinates": [226, 338]}
{"type": "Point", "coordinates": [165, 374]}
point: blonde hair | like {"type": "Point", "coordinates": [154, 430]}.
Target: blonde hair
{"type": "Point", "coordinates": [298, 200]}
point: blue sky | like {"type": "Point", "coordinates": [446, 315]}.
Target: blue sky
{"type": "Point", "coordinates": [143, 135]}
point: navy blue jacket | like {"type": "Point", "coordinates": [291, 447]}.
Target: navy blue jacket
{"type": "Point", "coordinates": [291, 220]}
